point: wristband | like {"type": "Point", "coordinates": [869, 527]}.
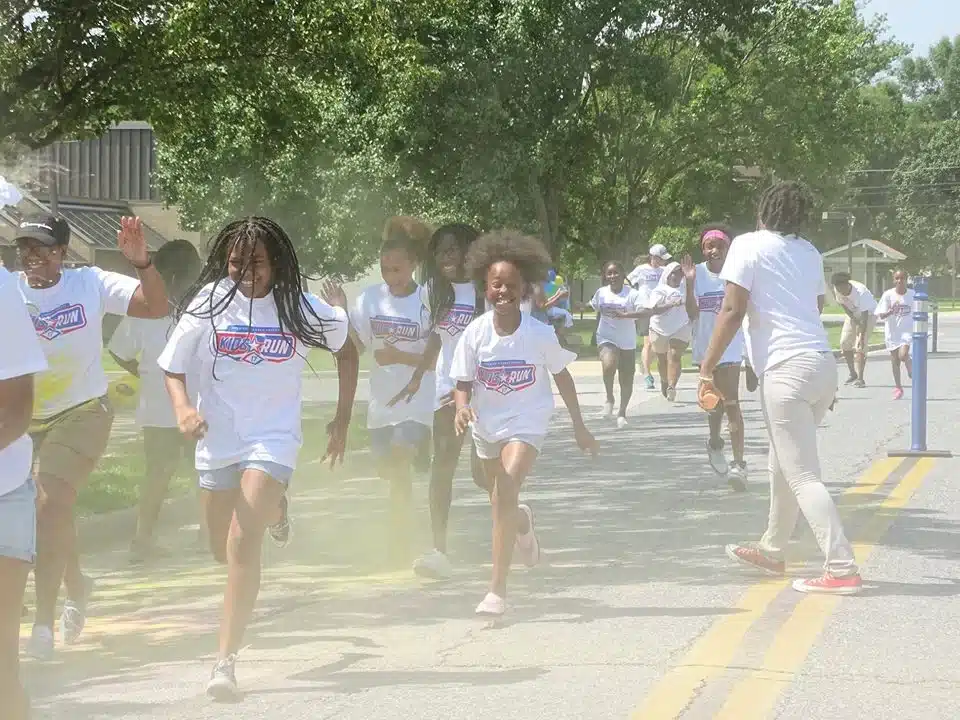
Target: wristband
{"type": "Point", "coordinates": [141, 268]}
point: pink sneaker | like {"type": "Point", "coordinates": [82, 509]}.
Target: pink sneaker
{"type": "Point", "coordinates": [898, 393]}
{"type": "Point", "coordinates": [528, 547]}
{"type": "Point", "coordinates": [755, 557]}
{"type": "Point", "coordinates": [828, 584]}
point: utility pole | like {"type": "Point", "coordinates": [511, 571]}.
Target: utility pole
{"type": "Point", "coordinates": [851, 219]}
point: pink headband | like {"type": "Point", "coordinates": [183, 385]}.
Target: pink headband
{"type": "Point", "coordinates": [714, 235]}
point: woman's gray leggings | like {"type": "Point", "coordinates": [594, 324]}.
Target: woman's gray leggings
{"type": "Point", "coordinates": [796, 395]}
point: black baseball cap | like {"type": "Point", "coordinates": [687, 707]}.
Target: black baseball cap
{"type": "Point", "coordinates": [47, 229]}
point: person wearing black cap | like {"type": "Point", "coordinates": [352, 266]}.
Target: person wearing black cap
{"type": "Point", "coordinates": [72, 416]}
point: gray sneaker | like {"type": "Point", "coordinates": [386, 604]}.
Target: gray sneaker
{"type": "Point", "coordinates": [737, 476]}
{"type": "Point", "coordinates": [717, 459]}
{"type": "Point", "coordinates": [40, 644]}
{"type": "Point", "coordinates": [74, 615]}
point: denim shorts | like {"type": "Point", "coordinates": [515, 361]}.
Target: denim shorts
{"type": "Point", "coordinates": [487, 450]}
{"type": "Point", "coordinates": [406, 434]}
{"type": "Point", "coordinates": [18, 523]}
{"type": "Point", "coordinates": [228, 478]}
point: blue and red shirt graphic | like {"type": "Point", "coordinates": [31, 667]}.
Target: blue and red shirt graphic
{"type": "Point", "coordinates": [392, 330]}
{"type": "Point", "coordinates": [62, 320]}
{"type": "Point", "coordinates": [506, 376]}
{"type": "Point", "coordinates": [456, 320]}
{"type": "Point", "coordinates": [710, 301]}
{"type": "Point", "coordinates": [254, 345]}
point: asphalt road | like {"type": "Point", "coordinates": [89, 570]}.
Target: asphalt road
{"type": "Point", "coordinates": [635, 611]}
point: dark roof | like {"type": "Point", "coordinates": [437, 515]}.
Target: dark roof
{"type": "Point", "coordinates": [101, 222]}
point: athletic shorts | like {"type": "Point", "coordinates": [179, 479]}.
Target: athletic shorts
{"type": "Point", "coordinates": [487, 450]}
{"type": "Point", "coordinates": [18, 523]}
{"type": "Point", "coordinates": [406, 434]}
{"type": "Point", "coordinates": [69, 445]}
{"type": "Point", "coordinates": [228, 478]}
{"type": "Point", "coordinates": [661, 343]}
{"type": "Point", "coordinates": [849, 338]}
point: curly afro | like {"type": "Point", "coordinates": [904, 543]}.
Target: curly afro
{"type": "Point", "coordinates": [525, 253]}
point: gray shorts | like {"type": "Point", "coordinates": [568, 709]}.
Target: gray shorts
{"type": "Point", "coordinates": [228, 478]}
{"type": "Point", "coordinates": [18, 523]}
{"type": "Point", "coordinates": [491, 450]}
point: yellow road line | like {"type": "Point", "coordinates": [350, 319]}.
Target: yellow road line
{"type": "Point", "coordinates": [716, 648]}
{"type": "Point", "coordinates": [754, 697]}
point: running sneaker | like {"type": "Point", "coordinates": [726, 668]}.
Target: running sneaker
{"type": "Point", "coordinates": [828, 584]}
{"type": "Point", "coordinates": [222, 686]}
{"type": "Point", "coordinates": [527, 545]}
{"type": "Point", "coordinates": [621, 422]}
{"type": "Point", "coordinates": [898, 394]}
{"type": "Point", "coordinates": [40, 644]}
{"type": "Point", "coordinates": [756, 558]}
{"type": "Point", "coordinates": [859, 384]}
{"type": "Point", "coordinates": [671, 394]}
{"type": "Point", "coordinates": [433, 565]}
{"type": "Point", "coordinates": [649, 382]}
{"type": "Point", "coordinates": [492, 606]}
{"type": "Point", "coordinates": [737, 476]}
{"type": "Point", "coordinates": [74, 615]}
{"type": "Point", "coordinates": [850, 380]}
{"type": "Point", "coordinates": [281, 530]}
{"type": "Point", "coordinates": [607, 410]}
{"type": "Point", "coordinates": [717, 459]}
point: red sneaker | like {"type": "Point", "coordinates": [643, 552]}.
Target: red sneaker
{"type": "Point", "coordinates": [756, 558]}
{"type": "Point", "coordinates": [829, 584]}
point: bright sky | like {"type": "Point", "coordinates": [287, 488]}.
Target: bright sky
{"type": "Point", "coordinates": [920, 23]}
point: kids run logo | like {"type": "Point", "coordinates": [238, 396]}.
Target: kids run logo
{"type": "Point", "coordinates": [392, 330]}
{"type": "Point", "coordinates": [506, 376]}
{"type": "Point", "coordinates": [254, 345]}
{"type": "Point", "coordinates": [710, 302]}
{"type": "Point", "coordinates": [456, 320]}
{"type": "Point", "coordinates": [612, 309]}
{"type": "Point", "coordinates": [62, 320]}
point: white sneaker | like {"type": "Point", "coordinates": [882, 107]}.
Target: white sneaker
{"type": "Point", "coordinates": [671, 394]}
{"type": "Point", "coordinates": [717, 459]}
{"type": "Point", "coordinates": [737, 477]}
{"type": "Point", "coordinates": [607, 410]}
{"type": "Point", "coordinates": [492, 605]}
{"type": "Point", "coordinates": [527, 545]}
{"type": "Point", "coordinates": [433, 565]}
{"type": "Point", "coordinates": [621, 422]}
{"type": "Point", "coordinates": [222, 685]}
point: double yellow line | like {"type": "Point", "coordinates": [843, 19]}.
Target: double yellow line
{"type": "Point", "coordinates": [754, 696]}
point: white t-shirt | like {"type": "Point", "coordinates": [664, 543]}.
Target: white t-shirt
{"type": "Point", "coordinates": [621, 332]}
{"type": "Point", "coordinates": [860, 300]}
{"type": "Point", "coordinates": [144, 339]}
{"type": "Point", "coordinates": [450, 329]}
{"type": "Point", "coordinates": [784, 276]}
{"type": "Point", "coordinates": [709, 289]}
{"type": "Point", "coordinates": [645, 276]}
{"type": "Point", "coordinates": [68, 318]}
{"type": "Point", "coordinates": [669, 323]}
{"type": "Point", "coordinates": [247, 374]}
{"type": "Point", "coordinates": [22, 355]}
{"type": "Point", "coordinates": [512, 392]}
{"type": "Point", "coordinates": [381, 319]}
{"type": "Point", "coordinates": [898, 327]}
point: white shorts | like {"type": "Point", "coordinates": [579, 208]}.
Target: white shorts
{"type": "Point", "coordinates": [487, 450]}
{"type": "Point", "coordinates": [661, 343]}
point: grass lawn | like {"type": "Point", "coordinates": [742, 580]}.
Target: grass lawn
{"type": "Point", "coordinates": [945, 305]}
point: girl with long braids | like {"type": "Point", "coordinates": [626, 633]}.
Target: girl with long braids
{"type": "Point", "coordinates": [775, 289]}
{"type": "Point", "coordinates": [240, 345]}
{"type": "Point", "coordinates": [704, 296]}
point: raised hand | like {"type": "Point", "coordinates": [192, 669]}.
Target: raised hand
{"type": "Point", "coordinates": [689, 269]}
{"type": "Point", "coordinates": [132, 243]}
{"type": "Point", "coordinates": [333, 294]}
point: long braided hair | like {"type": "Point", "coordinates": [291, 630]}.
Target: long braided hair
{"type": "Point", "coordinates": [439, 287]}
{"type": "Point", "coordinates": [296, 315]}
{"type": "Point", "coordinates": [785, 208]}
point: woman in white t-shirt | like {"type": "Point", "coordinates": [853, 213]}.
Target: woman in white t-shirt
{"type": "Point", "coordinates": [669, 327]}
{"type": "Point", "coordinates": [135, 346]}
{"type": "Point", "coordinates": [704, 297]}
{"type": "Point", "coordinates": [72, 415]}
{"type": "Point", "coordinates": [860, 306]}
{"type": "Point", "coordinates": [617, 305]}
{"type": "Point", "coordinates": [392, 320]}
{"type": "Point", "coordinates": [241, 345]}
{"type": "Point", "coordinates": [895, 310]}
{"type": "Point", "coordinates": [502, 366]}
{"type": "Point", "coordinates": [453, 302]}
{"type": "Point", "coordinates": [775, 290]}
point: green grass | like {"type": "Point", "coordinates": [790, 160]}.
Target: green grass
{"type": "Point", "coordinates": [944, 305]}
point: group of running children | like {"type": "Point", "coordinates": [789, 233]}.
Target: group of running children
{"type": "Point", "coordinates": [221, 345]}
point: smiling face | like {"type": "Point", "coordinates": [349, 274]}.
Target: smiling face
{"type": "Point", "coordinates": [248, 265]}
{"type": "Point", "coordinates": [42, 264]}
{"type": "Point", "coordinates": [715, 252]}
{"type": "Point", "coordinates": [450, 259]}
{"type": "Point", "coordinates": [900, 282]}
{"type": "Point", "coordinates": [396, 268]}
{"type": "Point", "coordinates": [613, 276]}
{"type": "Point", "coordinates": [505, 288]}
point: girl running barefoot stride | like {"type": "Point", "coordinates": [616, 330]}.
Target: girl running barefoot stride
{"type": "Point", "coordinates": [895, 309]}
{"type": "Point", "coordinates": [774, 282]}
{"type": "Point", "coordinates": [240, 345]}
{"type": "Point", "coordinates": [669, 327]}
{"type": "Point", "coordinates": [502, 366]}
{"type": "Point", "coordinates": [704, 297]}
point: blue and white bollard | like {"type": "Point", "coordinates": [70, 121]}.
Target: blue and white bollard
{"type": "Point", "coordinates": [918, 405]}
